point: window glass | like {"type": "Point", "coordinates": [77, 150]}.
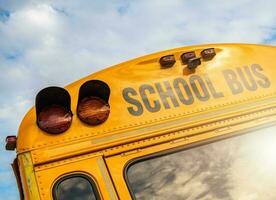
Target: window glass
{"type": "Point", "coordinates": [242, 167]}
{"type": "Point", "coordinates": [76, 187]}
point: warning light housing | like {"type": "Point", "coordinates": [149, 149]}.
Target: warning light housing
{"type": "Point", "coordinates": [53, 112]}
{"type": "Point", "coordinates": [93, 107]}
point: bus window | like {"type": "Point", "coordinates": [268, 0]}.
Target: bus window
{"type": "Point", "coordinates": [75, 187]}
{"type": "Point", "coordinates": [241, 167]}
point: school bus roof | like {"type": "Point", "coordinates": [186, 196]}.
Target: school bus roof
{"type": "Point", "coordinates": [146, 98]}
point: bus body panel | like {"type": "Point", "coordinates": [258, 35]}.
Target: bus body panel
{"type": "Point", "coordinates": [92, 166]}
{"type": "Point", "coordinates": [215, 84]}
{"type": "Point", "coordinates": [152, 110]}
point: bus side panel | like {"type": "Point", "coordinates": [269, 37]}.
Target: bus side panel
{"type": "Point", "coordinates": [92, 167]}
{"type": "Point", "coordinates": [29, 184]}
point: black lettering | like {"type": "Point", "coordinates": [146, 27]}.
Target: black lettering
{"type": "Point", "coordinates": [143, 88]}
{"type": "Point", "coordinates": [139, 108]}
{"type": "Point", "coordinates": [252, 86]}
{"type": "Point", "coordinates": [264, 82]}
{"type": "Point", "coordinates": [202, 97]}
{"type": "Point", "coordinates": [168, 93]}
{"type": "Point", "coordinates": [179, 82]}
{"type": "Point", "coordinates": [231, 79]}
{"type": "Point", "coordinates": [212, 89]}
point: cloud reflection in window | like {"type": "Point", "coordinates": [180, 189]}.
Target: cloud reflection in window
{"type": "Point", "coordinates": [74, 188]}
{"type": "Point", "coordinates": [239, 168]}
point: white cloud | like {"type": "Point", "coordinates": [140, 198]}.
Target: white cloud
{"type": "Point", "coordinates": [15, 110]}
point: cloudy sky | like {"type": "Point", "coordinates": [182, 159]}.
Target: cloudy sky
{"type": "Point", "coordinates": [45, 43]}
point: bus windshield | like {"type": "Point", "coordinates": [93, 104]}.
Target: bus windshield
{"type": "Point", "coordinates": [242, 167]}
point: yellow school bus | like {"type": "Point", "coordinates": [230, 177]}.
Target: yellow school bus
{"type": "Point", "coordinates": [192, 123]}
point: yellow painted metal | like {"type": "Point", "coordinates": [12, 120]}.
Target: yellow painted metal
{"type": "Point", "coordinates": [28, 179]}
{"type": "Point", "coordinates": [146, 70]}
{"type": "Point", "coordinates": [91, 166]}
{"type": "Point", "coordinates": [124, 136]}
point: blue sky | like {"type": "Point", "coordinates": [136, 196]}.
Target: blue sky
{"type": "Point", "coordinates": [45, 43]}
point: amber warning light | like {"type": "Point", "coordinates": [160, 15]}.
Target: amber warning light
{"type": "Point", "coordinates": [54, 119]}
{"type": "Point", "coordinates": [93, 110]}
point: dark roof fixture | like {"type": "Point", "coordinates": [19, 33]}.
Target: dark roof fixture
{"type": "Point", "coordinates": [208, 54]}
{"type": "Point", "coordinates": [185, 57]}
{"type": "Point", "coordinates": [193, 63]}
{"type": "Point", "coordinates": [167, 61]}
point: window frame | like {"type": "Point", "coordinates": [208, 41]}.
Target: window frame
{"type": "Point", "coordinates": [65, 177]}
{"type": "Point", "coordinates": [183, 148]}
